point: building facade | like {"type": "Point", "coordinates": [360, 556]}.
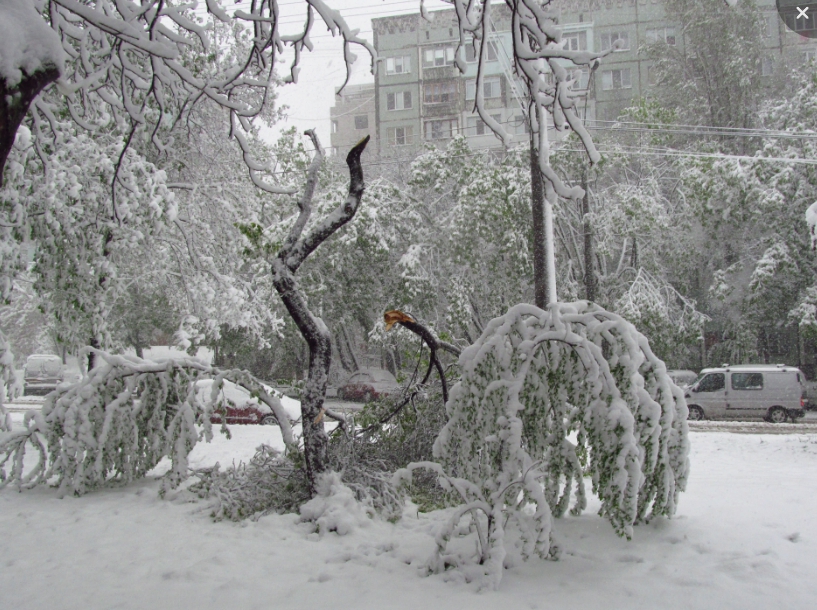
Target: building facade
{"type": "Point", "coordinates": [419, 95]}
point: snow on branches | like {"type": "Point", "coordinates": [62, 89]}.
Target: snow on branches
{"type": "Point", "coordinates": [6, 381]}
{"type": "Point", "coordinates": [152, 62]}
{"type": "Point", "coordinates": [120, 420]}
{"type": "Point", "coordinates": [532, 380]}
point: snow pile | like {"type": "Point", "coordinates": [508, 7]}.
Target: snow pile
{"type": "Point", "coordinates": [27, 43]}
{"type": "Point", "coordinates": [532, 382]}
{"type": "Point", "coordinates": [335, 508]}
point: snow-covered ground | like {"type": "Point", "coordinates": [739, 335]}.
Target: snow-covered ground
{"type": "Point", "coordinates": [745, 537]}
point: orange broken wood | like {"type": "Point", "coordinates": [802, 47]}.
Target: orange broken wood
{"type": "Point", "coordinates": [394, 316]}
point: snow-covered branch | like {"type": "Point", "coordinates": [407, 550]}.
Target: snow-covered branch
{"type": "Point", "coordinates": [534, 378]}
{"type": "Point", "coordinates": [121, 419]}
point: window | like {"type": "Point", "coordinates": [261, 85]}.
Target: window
{"type": "Point", "coordinates": [747, 381]}
{"type": "Point", "coordinates": [616, 79]}
{"type": "Point", "coordinates": [362, 121]}
{"type": "Point", "coordinates": [712, 383]}
{"type": "Point", "coordinates": [398, 101]}
{"type": "Point", "coordinates": [471, 51]}
{"type": "Point", "coordinates": [770, 28]}
{"type": "Point", "coordinates": [575, 41]}
{"type": "Point", "coordinates": [491, 88]}
{"type": "Point", "coordinates": [519, 125]}
{"type": "Point", "coordinates": [610, 38]}
{"type": "Point", "coordinates": [662, 34]}
{"type": "Point", "coordinates": [477, 127]}
{"type": "Point", "coordinates": [810, 55]}
{"type": "Point", "coordinates": [439, 93]}
{"type": "Point", "coordinates": [334, 126]}
{"type": "Point", "coordinates": [440, 130]}
{"type": "Point", "coordinates": [398, 65]}
{"type": "Point", "coordinates": [401, 136]}
{"type": "Point", "coordinates": [767, 66]}
{"type": "Point", "coordinates": [434, 58]}
{"type": "Point", "coordinates": [582, 79]}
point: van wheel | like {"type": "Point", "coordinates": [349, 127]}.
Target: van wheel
{"type": "Point", "coordinates": [269, 420]}
{"type": "Point", "coordinates": [695, 413]}
{"type": "Point", "coordinates": [777, 415]}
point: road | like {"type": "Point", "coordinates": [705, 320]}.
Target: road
{"type": "Point", "coordinates": [807, 425]}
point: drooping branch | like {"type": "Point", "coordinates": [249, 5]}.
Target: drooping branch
{"type": "Point", "coordinates": [430, 338]}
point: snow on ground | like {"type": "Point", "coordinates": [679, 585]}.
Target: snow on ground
{"type": "Point", "coordinates": [745, 537]}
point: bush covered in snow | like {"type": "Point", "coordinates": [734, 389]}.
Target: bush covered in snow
{"type": "Point", "coordinates": [531, 382]}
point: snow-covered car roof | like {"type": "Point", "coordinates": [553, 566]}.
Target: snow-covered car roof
{"type": "Point", "coordinates": [759, 368]}
{"type": "Point", "coordinates": [239, 396]}
{"type": "Point", "coordinates": [375, 375]}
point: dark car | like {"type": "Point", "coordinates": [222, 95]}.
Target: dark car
{"type": "Point", "coordinates": [368, 385]}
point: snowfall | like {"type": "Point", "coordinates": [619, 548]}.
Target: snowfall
{"type": "Point", "coordinates": [745, 536]}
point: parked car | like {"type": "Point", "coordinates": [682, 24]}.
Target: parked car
{"type": "Point", "coordinates": [242, 408]}
{"type": "Point", "coordinates": [775, 393]}
{"type": "Point", "coordinates": [42, 373]}
{"type": "Point", "coordinates": [368, 384]}
{"type": "Point", "coordinates": [683, 378]}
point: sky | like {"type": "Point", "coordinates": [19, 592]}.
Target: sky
{"type": "Point", "coordinates": [323, 70]}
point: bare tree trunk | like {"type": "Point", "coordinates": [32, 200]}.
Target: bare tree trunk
{"type": "Point", "coordinates": [589, 256]}
{"type": "Point", "coordinates": [295, 250]}
{"type": "Point", "coordinates": [537, 204]}
{"type": "Point", "coordinates": [14, 103]}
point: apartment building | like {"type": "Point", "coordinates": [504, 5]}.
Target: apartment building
{"type": "Point", "coordinates": [353, 117]}
{"type": "Point", "coordinates": [419, 95]}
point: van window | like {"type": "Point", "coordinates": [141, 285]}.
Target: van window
{"type": "Point", "coordinates": [712, 382]}
{"type": "Point", "coordinates": [747, 381]}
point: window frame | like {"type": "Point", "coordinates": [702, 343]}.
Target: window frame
{"type": "Point", "coordinates": [446, 57]}
{"type": "Point", "coordinates": [407, 137]}
{"type": "Point", "coordinates": [428, 128]}
{"type": "Point", "coordinates": [479, 124]}
{"type": "Point", "coordinates": [612, 79]}
{"type": "Point", "coordinates": [357, 121]}
{"type": "Point", "coordinates": [580, 37]}
{"type": "Point", "coordinates": [405, 65]}
{"type": "Point", "coordinates": [471, 88]}
{"type": "Point", "coordinates": [748, 377]}
{"type": "Point", "coordinates": [713, 375]}
{"type": "Point", "coordinates": [434, 92]}
{"type": "Point", "coordinates": [663, 34]}
{"type": "Point", "coordinates": [619, 35]}
{"type": "Point", "coordinates": [393, 97]}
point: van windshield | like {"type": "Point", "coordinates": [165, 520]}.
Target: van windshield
{"type": "Point", "coordinates": [43, 368]}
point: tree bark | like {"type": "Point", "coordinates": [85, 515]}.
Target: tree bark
{"type": "Point", "coordinates": [14, 103]}
{"type": "Point", "coordinates": [537, 204]}
{"type": "Point", "coordinates": [589, 256]}
{"type": "Point", "coordinates": [294, 251]}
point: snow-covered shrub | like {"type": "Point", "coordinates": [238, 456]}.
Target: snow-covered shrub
{"type": "Point", "coordinates": [120, 420]}
{"type": "Point", "coordinates": [334, 508]}
{"type": "Point", "coordinates": [532, 380]}
{"type": "Point", "coordinates": [269, 482]}
{"type": "Point", "coordinates": [387, 438]}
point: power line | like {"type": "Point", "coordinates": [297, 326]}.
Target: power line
{"type": "Point", "coordinates": [697, 130]}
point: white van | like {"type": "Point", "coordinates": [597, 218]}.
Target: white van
{"type": "Point", "coordinates": [775, 393]}
{"type": "Point", "coordinates": [43, 373]}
